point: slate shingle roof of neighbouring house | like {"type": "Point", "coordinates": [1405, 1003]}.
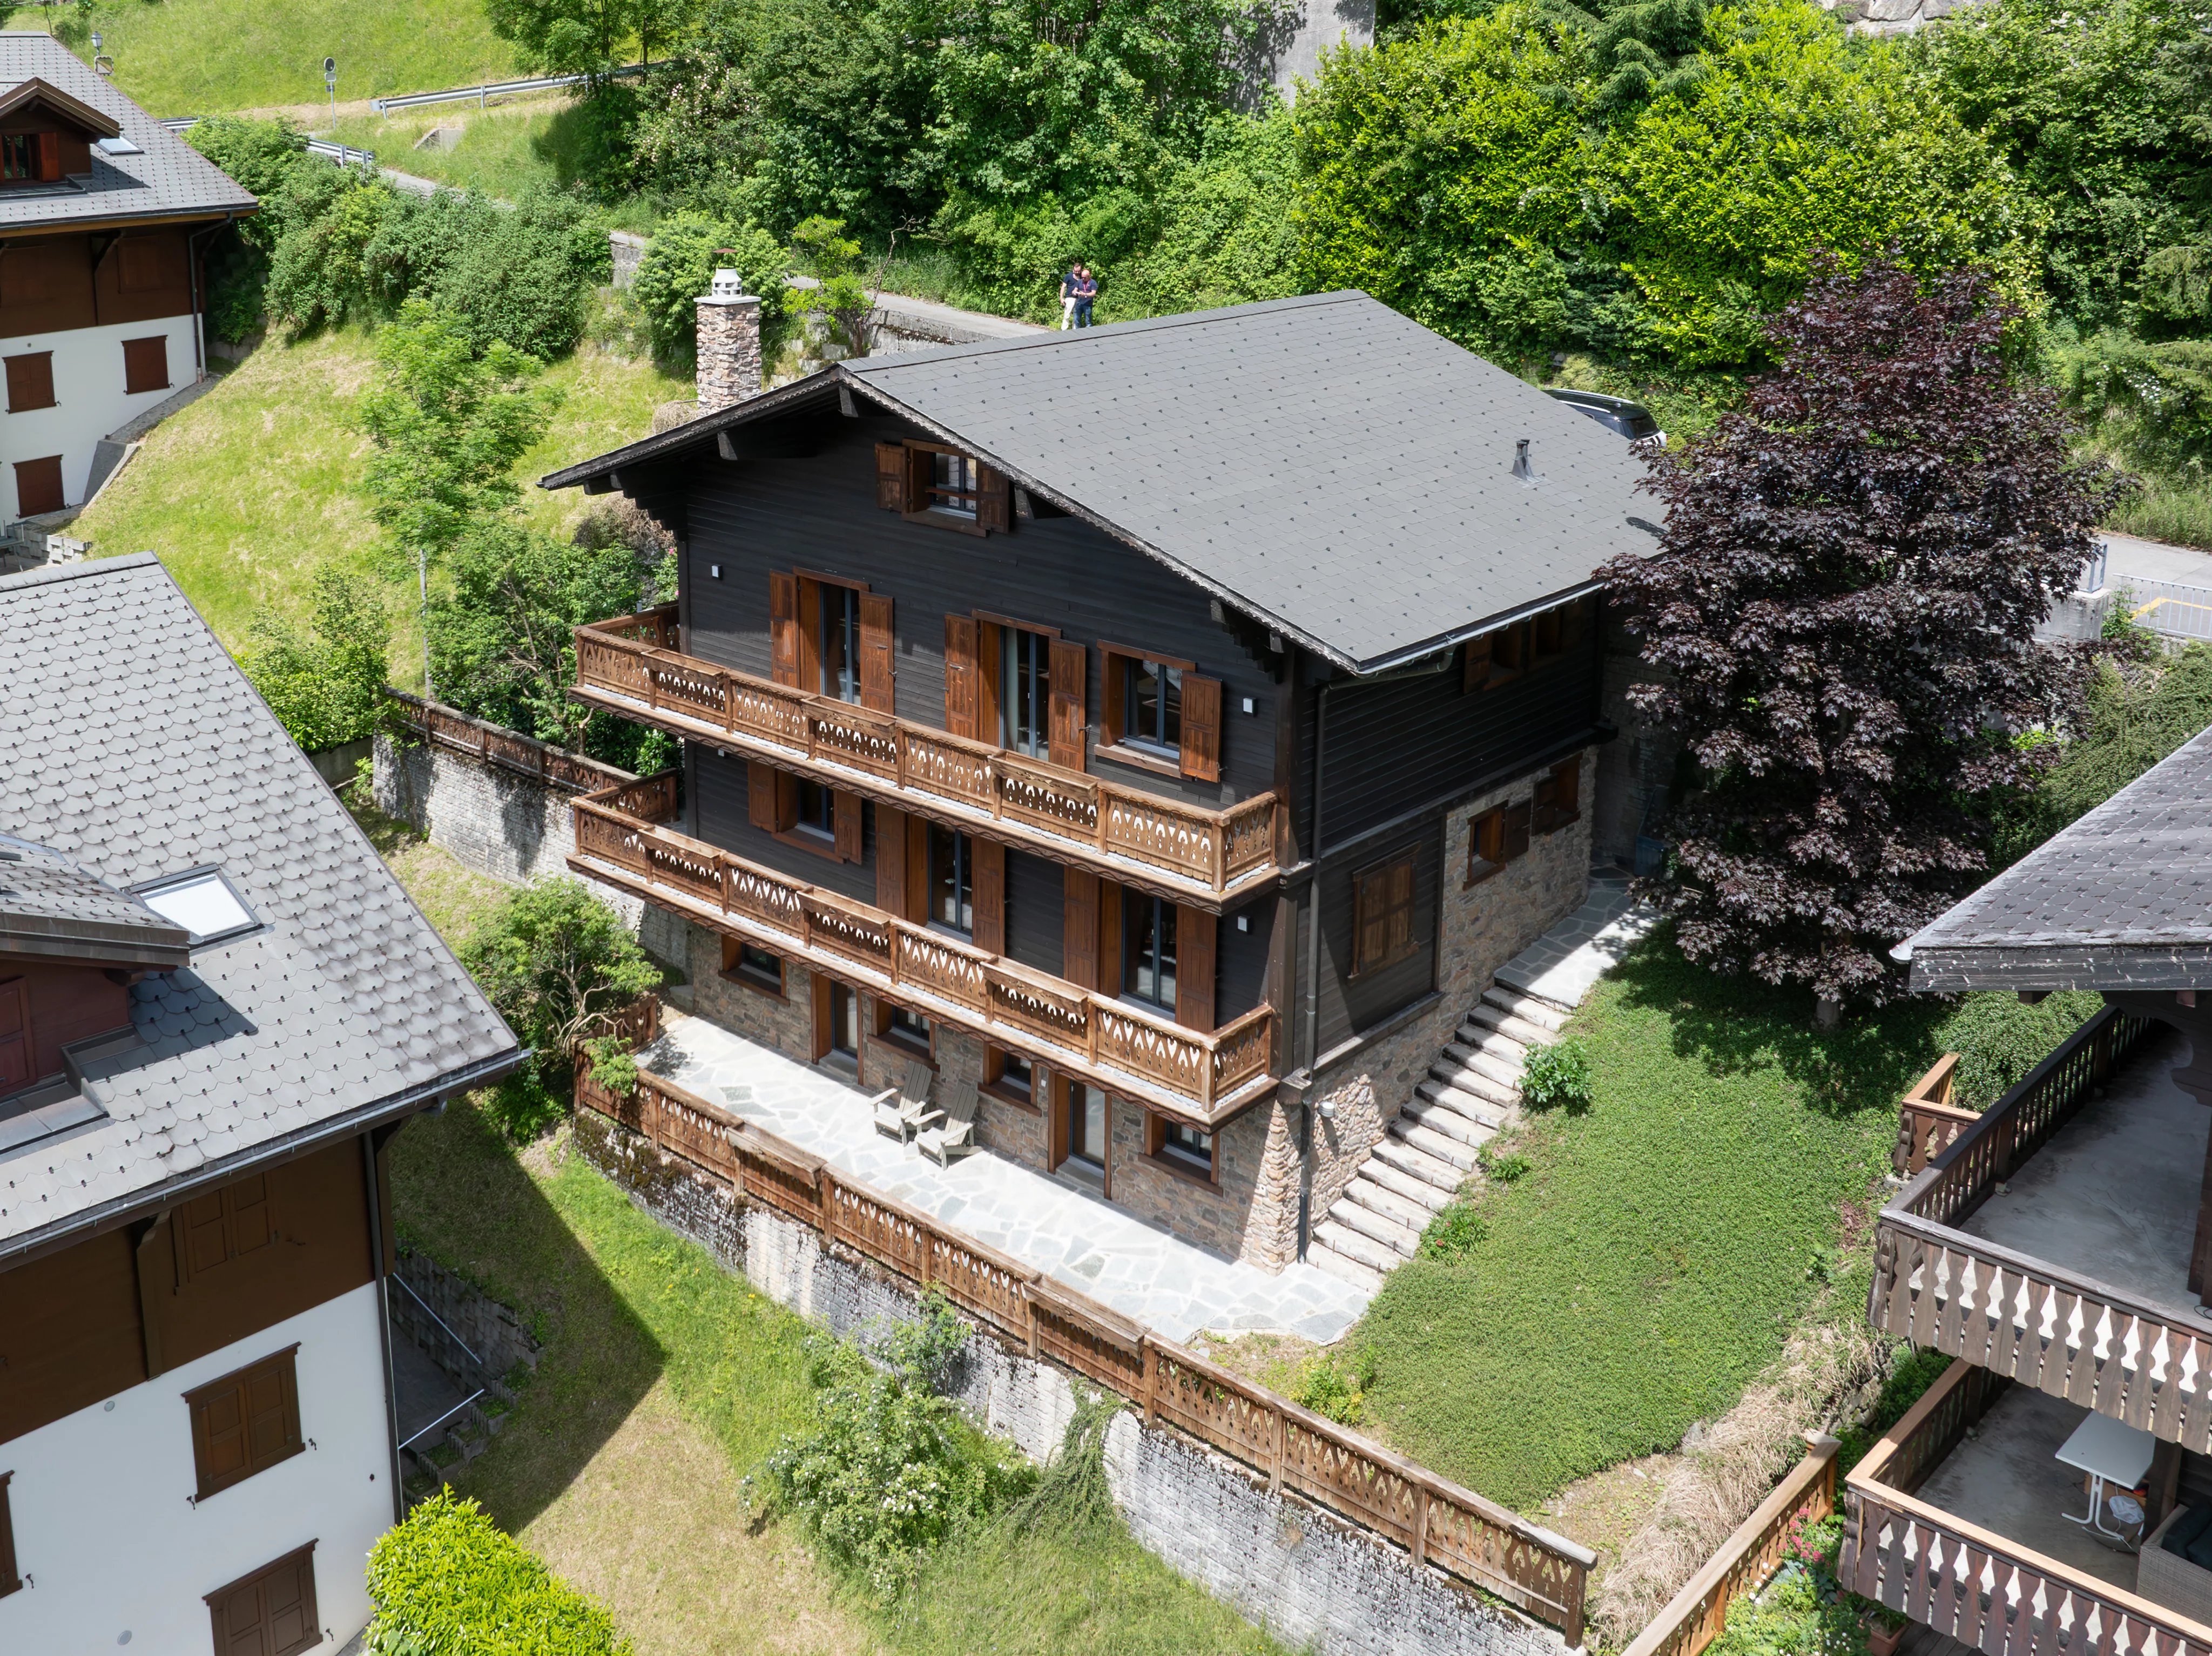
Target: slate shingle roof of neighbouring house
{"type": "Point", "coordinates": [136, 748]}
{"type": "Point", "coordinates": [2121, 900]}
{"type": "Point", "coordinates": [1327, 465]}
{"type": "Point", "coordinates": [169, 179]}
{"type": "Point", "coordinates": [50, 906]}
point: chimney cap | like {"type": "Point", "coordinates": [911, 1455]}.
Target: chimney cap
{"type": "Point", "coordinates": [726, 284]}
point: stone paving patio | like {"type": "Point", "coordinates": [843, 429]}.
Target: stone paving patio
{"type": "Point", "coordinates": [1562, 965]}
{"type": "Point", "coordinates": [1094, 1247]}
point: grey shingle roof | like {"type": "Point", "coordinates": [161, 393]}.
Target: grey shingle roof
{"type": "Point", "coordinates": [171, 179]}
{"type": "Point", "coordinates": [2121, 900]}
{"type": "Point", "coordinates": [50, 906]}
{"type": "Point", "coordinates": [138, 749]}
{"type": "Point", "coordinates": [1329, 466]}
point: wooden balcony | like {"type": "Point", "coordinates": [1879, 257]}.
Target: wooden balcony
{"type": "Point", "coordinates": [1197, 1077]}
{"type": "Point", "coordinates": [1182, 852]}
{"type": "Point", "coordinates": [1972, 1538]}
{"type": "Point", "coordinates": [2056, 1260]}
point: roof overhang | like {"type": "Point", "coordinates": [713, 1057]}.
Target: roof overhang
{"type": "Point", "coordinates": [2115, 968]}
{"type": "Point", "coordinates": [35, 93]}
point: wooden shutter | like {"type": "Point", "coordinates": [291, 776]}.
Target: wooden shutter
{"type": "Point", "coordinates": [783, 629]}
{"type": "Point", "coordinates": [960, 676]}
{"type": "Point", "coordinates": [1558, 801]}
{"type": "Point", "coordinates": [10, 1579]}
{"type": "Point", "coordinates": [38, 486]}
{"type": "Point", "coordinates": [15, 1033]}
{"type": "Point", "coordinates": [30, 379]}
{"type": "Point", "coordinates": [1078, 930]}
{"type": "Point", "coordinates": [1058, 1106]}
{"type": "Point", "coordinates": [1474, 668]}
{"type": "Point", "coordinates": [995, 500]}
{"type": "Point", "coordinates": [890, 860]}
{"type": "Point", "coordinates": [846, 817]}
{"type": "Point", "coordinates": [1194, 968]}
{"type": "Point", "coordinates": [1071, 666]}
{"type": "Point", "coordinates": [145, 365]}
{"type": "Point", "coordinates": [920, 472]}
{"type": "Point", "coordinates": [890, 477]}
{"type": "Point", "coordinates": [1110, 899]}
{"type": "Point", "coordinates": [1114, 683]}
{"type": "Point", "coordinates": [1516, 829]}
{"type": "Point", "coordinates": [50, 156]}
{"type": "Point", "coordinates": [917, 870]}
{"type": "Point", "coordinates": [876, 665]}
{"type": "Point", "coordinates": [271, 1612]}
{"type": "Point", "coordinates": [1201, 727]}
{"type": "Point", "coordinates": [760, 796]}
{"type": "Point", "coordinates": [989, 878]}
{"type": "Point", "coordinates": [1398, 938]}
{"type": "Point", "coordinates": [244, 1422]}
{"type": "Point", "coordinates": [223, 1225]}
{"type": "Point", "coordinates": [1371, 902]}
{"type": "Point", "coordinates": [787, 802]}
{"type": "Point", "coordinates": [824, 1007]}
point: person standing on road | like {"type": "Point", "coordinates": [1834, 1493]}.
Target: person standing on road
{"type": "Point", "coordinates": [1067, 284]}
{"type": "Point", "coordinates": [1086, 295]}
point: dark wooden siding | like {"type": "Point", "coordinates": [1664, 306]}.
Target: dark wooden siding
{"type": "Point", "coordinates": [817, 512]}
{"type": "Point", "coordinates": [1243, 982]}
{"type": "Point", "coordinates": [718, 786]}
{"type": "Point", "coordinates": [1349, 1005]}
{"type": "Point", "coordinates": [1035, 894]}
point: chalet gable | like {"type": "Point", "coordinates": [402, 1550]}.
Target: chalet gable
{"type": "Point", "coordinates": [46, 136]}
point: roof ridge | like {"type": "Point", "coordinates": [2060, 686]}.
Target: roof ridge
{"type": "Point", "coordinates": [46, 574]}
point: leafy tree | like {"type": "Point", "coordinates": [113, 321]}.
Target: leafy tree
{"type": "Point", "coordinates": [679, 265]}
{"type": "Point", "coordinates": [584, 37]}
{"type": "Point", "coordinates": [560, 968]}
{"type": "Point", "coordinates": [841, 297]}
{"type": "Point", "coordinates": [327, 216]}
{"type": "Point", "coordinates": [2155, 398]}
{"type": "Point", "coordinates": [448, 425]}
{"type": "Point", "coordinates": [326, 683]}
{"type": "Point", "coordinates": [1842, 609]}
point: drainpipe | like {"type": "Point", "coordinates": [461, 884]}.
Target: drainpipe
{"type": "Point", "coordinates": [200, 305]}
{"type": "Point", "coordinates": [1313, 980]}
{"type": "Point", "coordinates": [369, 1148]}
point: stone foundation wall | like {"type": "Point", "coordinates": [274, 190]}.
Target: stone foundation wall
{"type": "Point", "coordinates": [1314, 1581]}
{"type": "Point", "coordinates": [466, 1332]}
{"type": "Point", "coordinates": [1481, 928]}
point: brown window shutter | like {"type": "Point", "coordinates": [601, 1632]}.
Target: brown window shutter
{"type": "Point", "coordinates": [1370, 918]}
{"type": "Point", "coordinates": [38, 486]}
{"type": "Point", "coordinates": [9, 1579]}
{"type": "Point", "coordinates": [1399, 941]}
{"type": "Point", "coordinates": [1201, 727]}
{"type": "Point", "coordinates": [1558, 797]}
{"type": "Point", "coordinates": [145, 365]}
{"type": "Point", "coordinates": [846, 820]}
{"type": "Point", "coordinates": [760, 796]}
{"type": "Point", "coordinates": [960, 676]}
{"type": "Point", "coordinates": [1056, 1112]}
{"type": "Point", "coordinates": [990, 886]}
{"type": "Point", "coordinates": [1078, 932]}
{"type": "Point", "coordinates": [15, 1033]}
{"type": "Point", "coordinates": [50, 156]}
{"type": "Point", "coordinates": [890, 861]}
{"type": "Point", "coordinates": [917, 870]}
{"type": "Point", "coordinates": [289, 1600]}
{"type": "Point", "coordinates": [1516, 830]}
{"type": "Point", "coordinates": [30, 379]}
{"type": "Point", "coordinates": [1474, 670]}
{"type": "Point", "coordinates": [272, 1414]}
{"type": "Point", "coordinates": [1194, 972]}
{"type": "Point", "coordinates": [244, 1422]}
{"type": "Point", "coordinates": [787, 802]}
{"type": "Point", "coordinates": [995, 500]}
{"type": "Point", "coordinates": [876, 646]}
{"type": "Point", "coordinates": [783, 629]}
{"type": "Point", "coordinates": [919, 470]}
{"type": "Point", "coordinates": [890, 477]}
{"type": "Point", "coordinates": [271, 1612]}
{"type": "Point", "coordinates": [1113, 680]}
{"type": "Point", "coordinates": [204, 1243]}
{"type": "Point", "coordinates": [825, 1011]}
{"type": "Point", "coordinates": [1109, 980]}
{"type": "Point", "coordinates": [1071, 667]}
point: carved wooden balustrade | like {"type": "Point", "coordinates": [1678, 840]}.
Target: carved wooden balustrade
{"type": "Point", "coordinates": [2054, 1328]}
{"type": "Point", "coordinates": [1438, 1522]}
{"type": "Point", "coordinates": [1987, 1591]}
{"type": "Point", "coordinates": [1927, 1123]}
{"type": "Point", "coordinates": [1196, 1075]}
{"type": "Point", "coordinates": [449, 727]}
{"type": "Point", "coordinates": [634, 658]}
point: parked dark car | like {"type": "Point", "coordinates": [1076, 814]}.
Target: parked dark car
{"type": "Point", "coordinates": [1616, 414]}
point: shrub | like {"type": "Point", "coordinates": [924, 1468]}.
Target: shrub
{"type": "Point", "coordinates": [326, 683]}
{"type": "Point", "coordinates": [1911, 1371]}
{"type": "Point", "coordinates": [1453, 1231]}
{"type": "Point", "coordinates": [447, 1582]}
{"type": "Point", "coordinates": [327, 216]}
{"type": "Point", "coordinates": [680, 262]}
{"type": "Point", "coordinates": [1998, 1039]}
{"type": "Point", "coordinates": [1803, 1610]}
{"type": "Point", "coordinates": [1335, 1385]}
{"type": "Point", "coordinates": [2154, 398]}
{"type": "Point", "coordinates": [1556, 1076]}
{"type": "Point", "coordinates": [1506, 1168]}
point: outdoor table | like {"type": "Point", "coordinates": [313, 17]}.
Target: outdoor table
{"type": "Point", "coordinates": [2109, 1453]}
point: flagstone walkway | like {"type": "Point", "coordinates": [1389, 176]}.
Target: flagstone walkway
{"type": "Point", "coordinates": [1100, 1250]}
{"type": "Point", "coordinates": [1561, 966]}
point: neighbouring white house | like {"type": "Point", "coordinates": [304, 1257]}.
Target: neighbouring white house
{"type": "Point", "coordinates": [216, 1007]}
{"type": "Point", "coordinates": [105, 220]}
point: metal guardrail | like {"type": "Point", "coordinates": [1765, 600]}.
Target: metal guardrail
{"type": "Point", "coordinates": [482, 94]}
{"type": "Point", "coordinates": [2168, 608]}
{"type": "Point", "coordinates": [344, 155]}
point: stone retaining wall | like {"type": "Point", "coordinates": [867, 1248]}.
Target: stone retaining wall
{"type": "Point", "coordinates": [466, 1332]}
{"type": "Point", "coordinates": [1313, 1581]}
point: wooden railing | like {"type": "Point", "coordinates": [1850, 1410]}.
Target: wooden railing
{"type": "Point", "coordinates": [1985, 1590]}
{"type": "Point", "coordinates": [1438, 1522]}
{"type": "Point", "coordinates": [635, 657]}
{"type": "Point", "coordinates": [449, 727]}
{"type": "Point", "coordinates": [1193, 1073]}
{"type": "Point", "coordinates": [1698, 1613]}
{"type": "Point", "coordinates": [2058, 1330]}
{"type": "Point", "coordinates": [1927, 1123]}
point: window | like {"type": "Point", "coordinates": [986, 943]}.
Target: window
{"type": "Point", "coordinates": [818, 808]}
{"type": "Point", "coordinates": [929, 484]}
{"type": "Point", "coordinates": [203, 901]}
{"type": "Point", "coordinates": [1182, 1146]}
{"type": "Point", "coordinates": [224, 1225]}
{"type": "Point", "coordinates": [1382, 915]}
{"type": "Point", "coordinates": [1495, 838]}
{"type": "Point", "coordinates": [911, 1028]}
{"type": "Point", "coordinates": [38, 486]}
{"type": "Point", "coordinates": [1161, 713]}
{"type": "Point", "coordinates": [10, 1579]}
{"type": "Point", "coordinates": [27, 157]}
{"type": "Point", "coordinates": [1010, 1074]}
{"type": "Point", "coordinates": [951, 880]}
{"type": "Point", "coordinates": [271, 1612]}
{"type": "Point", "coordinates": [839, 642]}
{"type": "Point", "coordinates": [1082, 1131]}
{"type": "Point", "coordinates": [1558, 801]}
{"type": "Point", "coordinates": [1152, 705]}
{"type": "Point", "coordinates": [145, 365]}
{"type": "Point", "coordinates": [30, 380]}
{"type": "Point", "coordinates": [1496, 659]}
{"type": "Point", "coordinates": [1025, 692]}
{"type": "Point", "coordinates": [244, 1422]}
{"type": "Point", "coordinates": [954, 484]}
{"type": "Point", "coordinates": [1148, 948]}
{"type": "Point", "coordinates": [751, 964]}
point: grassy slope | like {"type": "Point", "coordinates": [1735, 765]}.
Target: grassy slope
{"type": "Point", "coordinates": [1654, 1259]}
{"type": "Point", "coordinates": [210, 57]}
{"type": "Point", "coordinates": [247, 492]}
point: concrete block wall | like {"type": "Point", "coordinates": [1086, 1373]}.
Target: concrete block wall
{"type": "Point", "coordinates": [466, 1332]}
{"type": "Point", "coordinates": [1314, 1581]}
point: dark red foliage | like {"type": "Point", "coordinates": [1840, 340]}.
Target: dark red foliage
{"type": "Point", "coordinates": [1844, 607]}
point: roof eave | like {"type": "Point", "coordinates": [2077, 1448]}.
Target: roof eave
{"type": "Point", "coordinates": [124, 220]}
{"type": "Point", "coordinates": [94, 946]}
{"type": "Point", "coordinates": [2114, 968]}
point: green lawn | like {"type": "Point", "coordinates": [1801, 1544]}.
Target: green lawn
{"type": "Point", "coordinates": [1662, 1245]}
{"type": "Point", "coordinates": [503, 151]}
{"type": "Point", "coordinates": [212, 56]}
{"type": "Point", "coordinates": [246, 493]}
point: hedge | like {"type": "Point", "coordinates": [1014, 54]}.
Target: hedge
{"type": "Point", "coordinates": [447, 1582]}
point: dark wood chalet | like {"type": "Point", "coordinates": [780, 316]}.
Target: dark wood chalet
{"type": "Point", "coordinates": [1172, 724]}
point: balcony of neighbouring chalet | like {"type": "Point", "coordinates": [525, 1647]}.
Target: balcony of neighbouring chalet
{"type": "Point", "coordinates": [1198, 1076]}
{"type": "Point", "coordinates": [2058, 1240]}
{"type": "Point", "coordinates": [1966, 1518]}
{"type": "Point", "coordinates": [1188, 854]}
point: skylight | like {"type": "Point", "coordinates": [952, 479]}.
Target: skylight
{"type": "Point", "coordinates": [120, 147]}
{"type": "Point", "coordinates": [203, 902]}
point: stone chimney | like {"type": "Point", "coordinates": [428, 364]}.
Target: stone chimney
{"type": "Point", "coordinates": [729, 343]}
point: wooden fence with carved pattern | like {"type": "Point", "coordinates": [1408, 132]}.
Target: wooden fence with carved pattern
{"type": "Point", "coordinates": [494, 745]}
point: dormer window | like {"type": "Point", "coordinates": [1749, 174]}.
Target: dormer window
{"type": "Point", "coordinates": [30, 157]}
{"type": "Point", "coordinates": [954, 484]}
{"type": "Point", "coordinates": [928, 482]}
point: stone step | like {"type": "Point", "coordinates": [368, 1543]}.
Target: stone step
{"type": "Point", "coordinates": [1376, 1227]}
{"type": "Point", "coordinates": [1322, 1257]}
{"type": "Point", "coordinates": [1486, 1018]}
{"type": "Point", "coordinates": [1447, 1072]}
{"type": "Point", "coordinates": [1437, 1144]}
{"type": "Point", "coordinates": [1414, 1163]}
{"type": "Point", "coordinates": [1442, 1118]}
{"type": "Point", "coordinates": [1372, 1192]}
{"type": "Point", "coordinates": [1483, 1112]}
{"type": "Point", "coordinates": [1342, 1239]}
{"type": "Point", "coordinates": [1381, 1171]}
{"type": "Point", "coordinates": [1505, 1072]}
{"type": "Point", "coordinates": [1504, 1048]}
{"type": "Point", "coordinates": [1542, 1013]}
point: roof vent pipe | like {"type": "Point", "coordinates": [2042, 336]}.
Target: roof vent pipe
{"type": "Point", "coordinates": [1521, 468]}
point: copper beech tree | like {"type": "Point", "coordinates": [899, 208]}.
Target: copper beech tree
{"type": "Point", "coordinates": [1842, 613]}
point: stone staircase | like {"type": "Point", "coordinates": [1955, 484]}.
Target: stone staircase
{"type": "Point", "coordinates": [1473, 1090]}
